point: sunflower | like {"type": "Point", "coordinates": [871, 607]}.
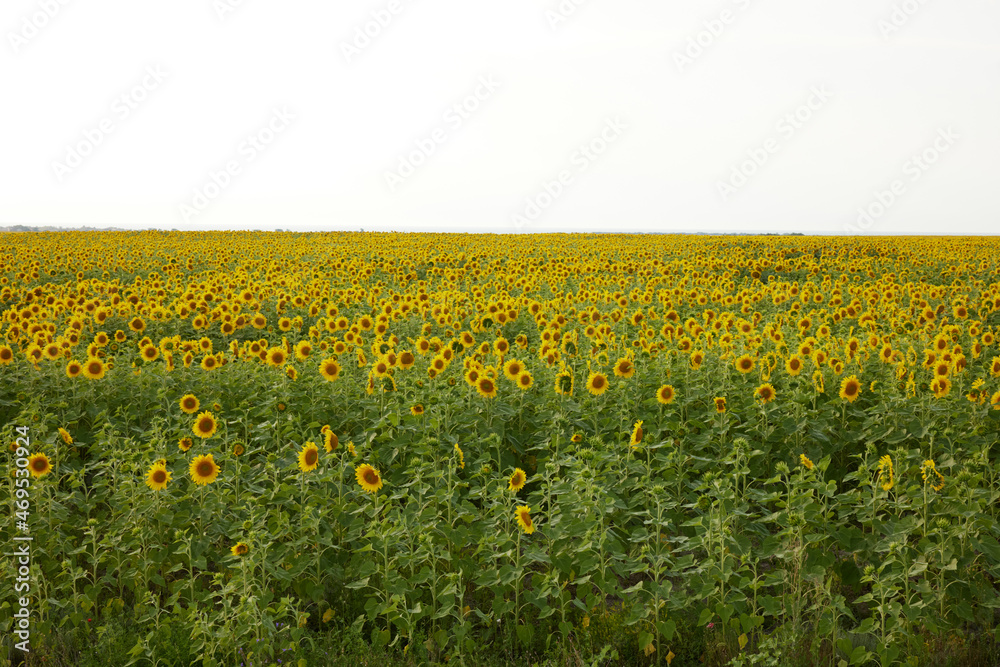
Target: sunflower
{"type": "Point", "coordinates": [66, 437]}
{"type": "Point", "coordinates": [995, 400]}
{"type": "Point", "coordinates": [94, 369]}
{"type": "Point", "coordinates": [665, 394]}
{"type": "Point", "coordinates": [941, 386]}
{"type": "Point", "coordinates": [486, 387]}
{"type": "Point", "coordinates": [189, 403]}
{"type": "Point", "coordinates": [995, 367]}
{"type": "Point", "coordinates": [137, 325]}
{"type": "Point", "coordinates": [524, 380]}
{"type": "Point", "coordinates": [764, 393]}
{"type": "Point", "coordinates": [149, 353]}
{"type": "Point", "coordinates": [184, 444]}
{"type": "Point", "coordinates": [330, 441]}
{"type": "Point", "coordinates": [564, 384]}
{"type": "Point", "coordinates": [720, 404]}
{"type": "Point", "coordinates": [523, 515]}
{"type": "Point", "coordinates": [204, 469]}
{"type": "Point", "coordinates": [636, 435]}
{"type": "Point", "coordinates": [329, 369]}
{"type": "Point", "coordinates": [817, 380]}
{"type": "Point", "coordinates": [204, 425]}
{"type": "Point", "coordinates": [597, 383]}
{"type": "Point", "coordinates": [6, 355]}
{"type": "Point", "coordinates": [461, 457]}
{"type": "Point", "coordinates": [240, 549]}
{"type": "Point", "coordinates": [368, 477]}
{"type": "Point", "coordinates": [406, 359]}
{"type": "Point", "coordinates": [39, 465]}
{"type": "Point", "coordinates": [157, 477]}
{"type": "Point", "coordinates": [850, 388]}
{"type": "Point", "coordinates": [512, 369]}
{"type": "Point", "coordinates": [886, 472]}
{"type": "Point", "coordinates": [309, 457]}
{"type": "Point", "coordinates": [804, 460]}
{"type": "Point", "coordinates": [744, 364]}
{"type": "Point", "coordinates": [417, 410]}
{"type": "Point", "coordinates": [276, 357]}
{"type": "Point", "coordinates": [517, 480]}
{"type": "Point", "coordinates": [624, 368]}
{"type": "Point", "coordinates": [793, 365]}
{"type": "Point", "coordinates": [929, 468]}
{"type": "Point", "coordinates": [577, 437]}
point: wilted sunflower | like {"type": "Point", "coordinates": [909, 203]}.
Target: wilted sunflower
{"type": "Point", "coordinates": [850, 388]}
{"type": "Point", "coordinates": [486, 387]}
{"type": "Point", "coordinates": [368, 477]}
{"type": "Point", "coordinates": [764, 393]}
{"type": "Point", "coordinates": [523, 514]}
{"type": "Point", "coordinates": [636, 435]}
{"type": "Point", "coordinates": [597, 383]}
{"type": "Point", "coordinates": [665, 394]}
{"type": "Point", "coordinates": [205, 425]}
{"type": "Point", "coordinates": [329, 369]}
{"type": "Point", "coordinates": [517, 480]}
{"type": "Point", "coordinates": [203, 469]}
{"type": "Point", "coordinates": [240, 549]}
{"type": "Point", "coordinates": [189, 403]}
{"type": "Point", "coordinates": [309, 457]}
{"type": "Point", "coordinates": [39, 465]}
{"type": "Point", "coordinates": [157, 477]}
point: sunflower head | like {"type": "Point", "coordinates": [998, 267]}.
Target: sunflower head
{"type": "Point", "coordinates": [368, 478]}
{"type": "Point", "coordinates": [205, 425]}
{"type": "Point", "coordinates": [39, 465]}
{"type": "Point", "coordinates": [204, 469]}
{"type": "Point", "coordinates": [517, 480]}
{"type": "Point", "coordinates": [240, 549]}
{"type": "Point", "coordinates": [157, 477]}
{"type": "Point", "coordinates": [665, 394]}
{"type": "Point", "coordinates": [308, 457]}
{"type": "Point", "coordinates": [720, 404]}
{"type": "Point", "coordinates": [523, 515]}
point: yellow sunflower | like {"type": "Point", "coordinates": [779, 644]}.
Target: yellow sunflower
{"type": "Point", "coordinates": [205, 425]}
{"type": "Point", "coordinates": [486, 387]}
{"type": "Point", "coordinates": [597, 383]}
{"type": "Point", "coordinates": [329, 369]}
{"type": "Point", "coordinates": [330, 441]}
{"type": "Point", "coordinates": [184, 444]}
{"type": "Point", "coordinates": [39, 465]}
{"type": "Point", "coordinates": [636, 435]}
{"type": "Point", "coordinates": [665, 394]}
{"type": "Point", "coordinates": [368, 477]}
{"type": "Point", "coordinates": [850, 388]}
{"type": "Point", "coordinates": [417, 410]}
{"type": "Point", "coordinates": [523, 514]}
{"type": "Point", "coordinates": [240, 549]}
{"type": "Point", "coordinates": [66, 437]}
{"type": "Point", "coordinates": [744, 364]}
{"type": "Point", "coordinates": [517, 480]}
{"type": "Point", "coordinates": [764, 393]}
{"type": "Point", "coordinates": [793, 365]}
{"type": "Point", "coordinates": [189, 403]}
{"type": "Point", "coordinates": [804, 460]}
{"type": "Point", "coordinates": [157, 477]}
{"type": "Point", "coordinates": [203, 469]}
{"type": "Point", "coordinates": [624, 368]}
{"type": "Point", "coordinates": [524, 380]}
{"type": "Point", "coordinates": [720, 404]}
{"type": "Point", "coordinates": [93, 369]}
{"type": "Point", "coordinates": [309, 457]}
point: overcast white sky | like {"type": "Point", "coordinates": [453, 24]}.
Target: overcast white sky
{"type": "Point", "coordinates": [855, 116]}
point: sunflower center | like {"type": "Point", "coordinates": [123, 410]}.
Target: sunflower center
{"type": "Point", "coordinates": [159, 476]}
{"type": "Point", "coordinates": [371, 477]}
{"type": "Point", "coordinates": [38, 465]}
{"type": "Point", "coordinates": [205, 469]}
{"type": "Point", "coordinates": [311, 456]}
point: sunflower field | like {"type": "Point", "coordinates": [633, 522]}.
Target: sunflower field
{"type": "Point", "coordinates": [236, 448]}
